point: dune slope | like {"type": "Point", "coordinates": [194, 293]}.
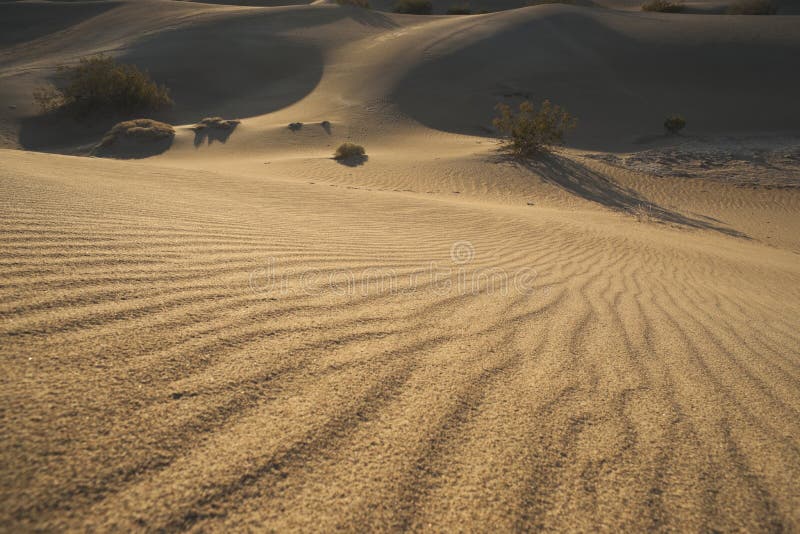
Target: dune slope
{"type": "Point", "coordinates": [187, 349]}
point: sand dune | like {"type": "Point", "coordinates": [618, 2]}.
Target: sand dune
{"type": "Point", "coordinates": [241, 334]}
{"type": "Point", "coordinates": [647, 379]}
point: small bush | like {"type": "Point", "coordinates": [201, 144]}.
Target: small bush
{"type": "Point", "coordinates": [217, 123]}
{"type": "Point", "coordinates": [753, 7]}
{"type": "Point", "coordinates": [459, 9]}
{"type": "Point", "coordinates": [48, 98]}
{"type": "Point", "coordinates": [355, 3]}
{"type": "Point", "coordinates": [663, 6]}
{"type": "Point", "coordinates": [139, 130]}
{"type": "Point", "coordinates": [349, 151]}
{"type": "Point", "coordinates": [414, 7]}
{"type": "Point", "coordinates": [530, 130]}
{"type": "Point", "coordinates": [674, 124]}
{"type": "Point", "coordinates": [100, 83]}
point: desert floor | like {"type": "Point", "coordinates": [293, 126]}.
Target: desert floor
{"type": "Point", "coordinates": [239, 333]}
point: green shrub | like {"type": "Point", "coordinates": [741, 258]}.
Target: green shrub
{"type": "Point", "coordinates": [139, 130]}
{"type": "Point", "coordinates": [459, 9]}
{"type": "Point", "coordinates": [349, 151]}
{"type": "Point", "coordinates": [530, 130]}
{"type": "Point", "coordinates": [674, 124]}
{"type": "Point", "coordinates": [414, 7]}
{"type": "Point", "coordinates": [100, 83]}
{"type": "Point", "coordinates": [753, 7]}
{"type": "Point", "coordinates": [355, 3]}
{"type": "Point", "coordinates": [663, 6]}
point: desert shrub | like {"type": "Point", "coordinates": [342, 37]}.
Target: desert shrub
{"type": "Point", "coordinates": [674, 124]}
{"type": "Point", "coordinates": [663, 6]}
{"type": "Point", "coordinates": [753, 7]}
{"type": "Point", "coordinates": [217, 123]}
{"type": "Point", "coordinates": [100, 83]}
{"type": "Point", "coordinates": [48, 98]}
{"type": "Point", "coordinates": [532, 130]}
{"type": "Point", "coordinates": [348, 151]}
{"type": "Point", "coordinates": [459, 9]}
{"type": "Point", "coordinates": [414, 7]}
{"type": "Point", "coordinates": [139, 130]}
{"type": "Point", "coordinates": [356, 3]}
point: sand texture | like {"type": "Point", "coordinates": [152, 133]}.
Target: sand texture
{"type": "Point", "coordinates": [235, 332]}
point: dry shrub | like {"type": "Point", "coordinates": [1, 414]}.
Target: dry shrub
{"type": "Point", "coordinates": [674, 124]}
{"type": "Point", "coordinates": [100, 83]}
{"type": "Point", "coordinates": [349, 151]}
{"type": "Point", "coordinates": [643, 212]}
{"type": "Point", "coordinates": [663, 6]}
{"type": "Point", "coordinates": [753, 7]}
{"type": "Point", "coordinates": [217, 123]}
{"type": "Point", "coordinates": [414, 7]}
{"type": "Point", "coordinates": [532, 130]}
{"type": "Point", "coordinates": [48, 98]}
{"type": "Point", "coordinates": [138, 130]}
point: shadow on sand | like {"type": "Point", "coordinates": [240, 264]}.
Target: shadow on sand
{"type": "Point", "coordinates": [133, 149]}
{"type": "Point", "coordinates": [353, 161]}
{"type": "Point", "coordinates": [594, 186]}
{"type": "Point", "coordinates": [210, 135]}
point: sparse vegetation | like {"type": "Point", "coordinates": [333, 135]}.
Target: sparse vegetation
{"type": "Point", "coordinates": [349, 151]}
{"type": "Point", "coordinates": [531, 130]}
{"type": "Point", "coordinates": [753, 7]}
{"type": "Point", "coordinates": [100, 83]}
{"type": "Point", "coordinates": [643, 212]}
{"type": "Point", "coordinates": [674, 124]}
{"type": "Point", "coordinates": [48, 98]}
{"type": "Point", "coordinates": [355, 3]}
{"type": "Point", "coordinates": [414, 7]}
{"type": "Point", "coordinates": [138, 129]}
{"type": "Point", "coordinates": [295, 126]}
{"type": "Point", "coordinates": [459, 9]}
{"type": "Point", "coordinates": [217, 123]}
{"type": "Point", "coordinates": [663, 6]}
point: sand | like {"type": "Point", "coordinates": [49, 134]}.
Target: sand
{"type": "Point", "coordinates": [237, 333]}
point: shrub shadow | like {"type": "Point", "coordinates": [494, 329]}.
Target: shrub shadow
{"type": "Point", "coordinates": [210, 135]}
{"type": "Point", "coordinates": [594, 186]}
{"type": "Point", "coordinates": [132, 149]}
{"type": "Point", "coordinates": [61, 132]}
{"type": "Point", "coordinates": [352, 161]}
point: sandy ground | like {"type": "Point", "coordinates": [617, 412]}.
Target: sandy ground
{"type": "Point", "coordinates": [237, 333]}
